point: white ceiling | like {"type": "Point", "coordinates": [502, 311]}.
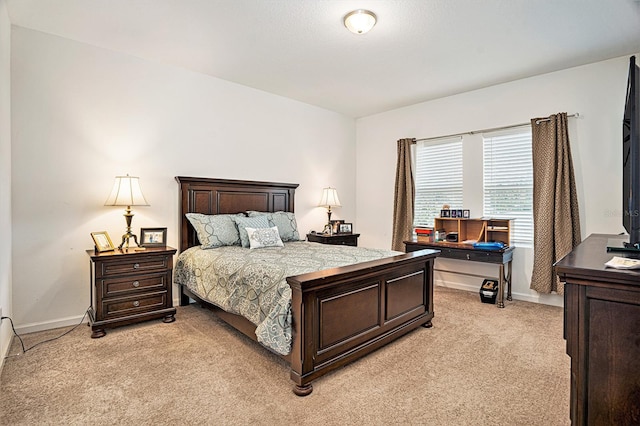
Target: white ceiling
{"type": "Point", "coordinates": [419, 50]}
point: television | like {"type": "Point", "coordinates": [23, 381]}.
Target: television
{"type": "Point", "coordinates": [631, 159]}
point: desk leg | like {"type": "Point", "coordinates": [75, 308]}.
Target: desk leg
{"type": "Point", "coordinates": [501, 287]}
{"type": "Point", "coordinates": [509, 281]}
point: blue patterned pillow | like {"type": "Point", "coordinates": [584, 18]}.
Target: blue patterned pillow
{"type": "Point", "coordinates": [285, 221]}
{"type": "Point", "coordinates": [252, 222]}
{"type": "Point", "coordinates": [264, 237]}
{"type": "Point", "coordinates": [215, 230]}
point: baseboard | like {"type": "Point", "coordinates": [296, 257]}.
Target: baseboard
{"type": "Point", "coordinates": [49, 325]}
{"type": "Point", "coordinates": [4, 351]}
{"type": "Point", "coordinates": [544, 299]}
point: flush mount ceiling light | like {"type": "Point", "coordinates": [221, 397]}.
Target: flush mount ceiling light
{"type": "Point", "coordinates": [360, 21]}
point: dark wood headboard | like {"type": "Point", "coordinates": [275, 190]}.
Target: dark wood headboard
{"type": "Point", "coordinates": [219, 196]}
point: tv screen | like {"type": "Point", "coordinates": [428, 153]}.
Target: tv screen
{"type": "Point", "coordinates": [631, 157]}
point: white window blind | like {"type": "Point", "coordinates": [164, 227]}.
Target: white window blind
{"type": "Point", "coordinates": [438, 178]}
{"type": "Point", "coordinates": [508, 181]}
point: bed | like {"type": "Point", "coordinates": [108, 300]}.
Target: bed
{"type": "Point", "coordinates": [339, 314]}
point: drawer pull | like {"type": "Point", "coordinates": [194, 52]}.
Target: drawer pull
{"type": "Point", "coordinates": [468, 256]}
{"type": "Point", "coordinates": [136, 283]}
{"type": "Point", "coordinates": [136, 303]}
{"type": "Point", "coordinates": [136, 265]}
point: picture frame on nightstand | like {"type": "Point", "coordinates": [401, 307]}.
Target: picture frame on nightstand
{"type": "Point", "coordinates": [153, 237]}
{"type": "Point", "coordinates": [102, 241]}
{"type": "Point", "coordinates": [335, 226]}
{"type": "Point", "coordinates": [345, 228]}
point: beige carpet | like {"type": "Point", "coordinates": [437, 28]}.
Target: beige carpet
{"type": "Point", "coordinates": [478, 365]}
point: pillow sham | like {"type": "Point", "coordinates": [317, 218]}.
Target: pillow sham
{"type": "Point", "coordinates": [215, 230]}
{"type": "Point", "coordinates": [252, 222]}
{"type": "Point", "coordinates": [284, 221]}
{"type": "Point", "coordinates": [264, 237]}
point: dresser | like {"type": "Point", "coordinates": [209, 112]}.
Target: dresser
{"type": "Point", "coordinates": [129, 287]}
{"type": "Point", "coordinates": [602, 330]}
{"type": "Point", "coordinates": [334, 239]}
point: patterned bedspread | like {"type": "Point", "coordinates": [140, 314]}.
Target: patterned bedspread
{"type": "Point", "coordinates": [252, 283]}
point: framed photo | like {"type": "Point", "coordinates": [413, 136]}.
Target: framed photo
{"type": "Point", "coordinates": [465, 214]}
{"type": "Point", "coordinates": [445, 213]}
{"type": "Point", "coordinates": [459, 213]}
{"type": "Point", "coordinates": [153, 237]}
{"type": "Point", "coordinates": [335, 226]}
{"type": "Point", "coordinates": [454, 213]}
{"type": "Point", "coordinates": [102, 241]}
{"type": "Point", "coordinates": [345, 228]}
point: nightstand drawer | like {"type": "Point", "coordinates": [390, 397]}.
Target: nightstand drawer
{"type": "Point", "coordinates": [138, 264]}
{"type": "Point", "coordinates": [134, 304]}
{"type": "Point", "coordinates": [114, 287]}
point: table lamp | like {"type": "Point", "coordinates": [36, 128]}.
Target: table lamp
{"type": "Point", "coordinates": [329, 199]}
{"type": "Point", "coordinates": [126, 192]}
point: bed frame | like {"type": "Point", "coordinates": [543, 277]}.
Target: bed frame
{"type": "Point", "coordinates": [339, 314]}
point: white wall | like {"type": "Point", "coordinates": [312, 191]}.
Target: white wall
{"type": "Point", "coordinates": [596, 91]}
{"type": "Point", "coordinates": [5, 178]}
{"type": "Point", "coordinates": [82, 115]}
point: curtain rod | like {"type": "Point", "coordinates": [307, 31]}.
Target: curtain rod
{"type": "Point", "coordinates": [493, 129]}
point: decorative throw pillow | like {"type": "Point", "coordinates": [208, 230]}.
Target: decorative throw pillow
{"type": "Point", "coordinates": [252, 222]}
{"type": "Point", "coordinates": [285, 221]}
{"type": "Point", "coordinates": [264, 237]}
{"type": "Point", "coordinates": [215, 230]}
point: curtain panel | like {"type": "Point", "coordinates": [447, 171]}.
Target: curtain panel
{"type": "Point", "coordinates": [555, 202]}
{"type": "Point", "coordinates": [404, 196]}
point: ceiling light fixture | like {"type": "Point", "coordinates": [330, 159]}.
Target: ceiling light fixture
{"type": "Point", "coordinates": [360, 21]}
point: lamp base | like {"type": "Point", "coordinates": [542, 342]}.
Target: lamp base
{"type": "Point", "coordinates": [128, 216]}
{"type": "Point", "coordinates": [125, 240]}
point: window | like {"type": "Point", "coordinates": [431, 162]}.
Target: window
{"type": "Point", "coordinates": [508, 181]}
{"type": "Point", "coordinates": [438, 178]}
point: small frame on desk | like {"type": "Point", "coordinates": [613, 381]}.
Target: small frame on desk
{"type": "Point", "coordinates": [345, 228]}
{"type": "Point", "coordinates": [102, 241]}
{"type": "Point", "coordinates": [466, 214]}
{"type": "Point", "coordinates": [445, 213]}
{"type": "Point", "coordinates": [153, 237]}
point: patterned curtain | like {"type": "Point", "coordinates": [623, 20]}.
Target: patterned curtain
{"type": "Point", "coordinates": [555, 203]}
{"type": "Point", "coordinates": [404, 196]}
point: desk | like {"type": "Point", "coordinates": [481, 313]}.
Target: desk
{"type": "Point", "coordinates": [467, 252]}
{"type": "Point", "coordinates": [602, 330]}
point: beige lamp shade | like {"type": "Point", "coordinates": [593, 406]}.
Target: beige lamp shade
{"type": "Point", "coordinates": [329, 198]}
{"type": "Point", "coordinates": [126, 192]}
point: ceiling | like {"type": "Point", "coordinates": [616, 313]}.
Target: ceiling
{"type": "Point", "coordinates": [419, 50]}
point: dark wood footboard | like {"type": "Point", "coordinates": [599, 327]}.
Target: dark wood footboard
{"type": "Point", "coordinates": [341, 314]}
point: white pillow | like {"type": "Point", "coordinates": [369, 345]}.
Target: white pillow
{"type": "Point", "coordinates": [264, 237]}
{"type": "Point", "coordinates": [252, 222]}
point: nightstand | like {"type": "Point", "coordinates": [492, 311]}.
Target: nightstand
{"type": "Point", "coordinates": [129, 287]}
{"type": "Point", "coordinates": [335, 239]}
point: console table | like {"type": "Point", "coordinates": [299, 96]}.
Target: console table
{"type": "Point", "coordinates": [463, 251]}
{"type": "Point", "coordinates": [602, 330]}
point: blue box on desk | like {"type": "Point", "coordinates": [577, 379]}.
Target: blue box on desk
{"type": "Point", "coordinates": [489, 291]}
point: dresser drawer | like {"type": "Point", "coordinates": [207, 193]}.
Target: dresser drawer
{"type": "Point", "coordinates": [132, 305]}
{"type": "Point", "coordinates": [138, 264]}
{"type": "Point", "coordinates": [132, 284]}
